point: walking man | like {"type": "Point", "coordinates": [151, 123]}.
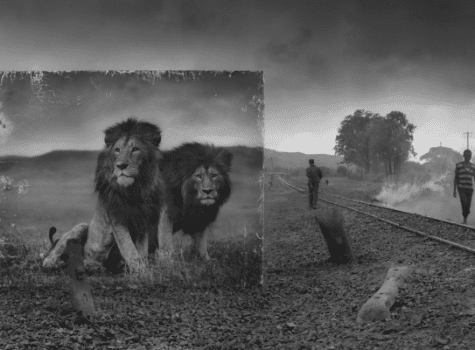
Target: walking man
{"type": "Point", "coordinates": [463, 183]}
{"type": "Point", "coordinates": [314, 175]}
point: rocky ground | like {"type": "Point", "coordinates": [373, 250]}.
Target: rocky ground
{"type": "Point", "coordinates": [307, 303]}
{"type": "Point", "coordinates": [192, 305]}
{"type": "Point", "coordinates": [435, 309]}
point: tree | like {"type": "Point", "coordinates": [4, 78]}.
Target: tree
{"type": "Point", "coordinates": [391, 141]}
{"type": "Point", "coordinates": [415, 173]}
{"type": "Point", "coordinates": [369, 140]}
{"type": "Point", "coordinates": [353, 139]}
{"type": "Point", "coordinates": [440, 160]}
{"type": "Point", "coordinates": [440, 165]}
{"type": "Point", "coordinates": [342, 170]}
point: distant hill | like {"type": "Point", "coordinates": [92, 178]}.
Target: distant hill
{"type": "Point", "coordinates": [294, 160]}
{"type": "Point", "coordinates": [77, 164]}
{"type": "Point", "coordinates": [59, 163]}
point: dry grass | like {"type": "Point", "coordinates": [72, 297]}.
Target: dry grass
{"type": "Point", "coordinates": [233, 264]}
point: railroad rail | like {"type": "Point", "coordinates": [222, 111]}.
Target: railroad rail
{"type": "Point", "coordinates": [391, 222]}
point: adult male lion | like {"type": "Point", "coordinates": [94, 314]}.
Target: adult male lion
{"type": "Point", "coordinates": [197, 184]}
{"type": "Point", "coordinates": [130, 188]}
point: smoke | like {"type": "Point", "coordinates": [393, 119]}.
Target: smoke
{"type": "Point", "coordinates": [432, 197]}
{"type": "Point", "coordinates": [394, 194]}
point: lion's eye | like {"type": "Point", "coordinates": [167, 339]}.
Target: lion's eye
{"type": "Point", "coordinates": [213, 176]}
{"type": "Point", "coordinates": [199, 176]}
{"type": "Point", "coordinates": [117, 150]}
{"type": "Point", "coordinates": [135, 149]}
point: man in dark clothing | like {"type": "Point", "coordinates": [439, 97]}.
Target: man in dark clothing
{"type": "Point", "coordinates": [463, 183]}
{"type": "Point", "coordinates": [314, 175]}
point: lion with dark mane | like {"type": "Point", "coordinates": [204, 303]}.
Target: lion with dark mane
{"type": "Point", "coordinates": [197, 185]}
{"type": "Point", "coordinates": [130, 189]}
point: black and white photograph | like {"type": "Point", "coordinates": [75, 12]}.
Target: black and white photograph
{"type": "Point", "coordinates": [369, 177]}
{"type": "Point", "coordinates": [184, 174]}
{"type": "Point", "coordinates": [154, 175]}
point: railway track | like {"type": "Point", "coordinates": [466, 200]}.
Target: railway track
{"type": "Point", "coordinates": [446, 232]}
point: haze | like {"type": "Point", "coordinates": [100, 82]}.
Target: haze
{"type": "Point", "coordinates": [322, 59]}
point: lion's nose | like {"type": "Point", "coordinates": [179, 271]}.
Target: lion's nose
{"type": "Point", "coordinates": [122, 165]}
{"type": "Point", "coordinates": [207, 191]}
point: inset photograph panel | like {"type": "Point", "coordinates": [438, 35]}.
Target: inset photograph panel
{"type": "Point", "coordinates": [155, 173]}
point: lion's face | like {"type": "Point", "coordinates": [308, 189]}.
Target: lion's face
{"type": "Point", "coordinates": [207, 183]}
{"type": "Point", "coordinates": [129, 155]}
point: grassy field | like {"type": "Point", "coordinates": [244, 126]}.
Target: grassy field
{"type": "Point", "coordinates": [64, 197]}
{"type": "Point", "coordinates": [179, 303]}
{"type": "Point", "coordinates": [64, 204]}
{"type": "Point", "coordinates": [360, 189]}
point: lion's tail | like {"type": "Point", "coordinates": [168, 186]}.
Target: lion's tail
{"type": "Point", "coordinates": [52, 231]}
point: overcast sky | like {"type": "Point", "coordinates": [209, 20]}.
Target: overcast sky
{"type": "Point", "coordinates": [70, 110]}
{"type": "Point", "coordinates": [322, 60]}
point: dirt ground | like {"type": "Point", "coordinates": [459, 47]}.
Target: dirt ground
{"type": "Point", "coordinates": [307, 303]}
{"type": "Point", "coordinates": [318, 302]}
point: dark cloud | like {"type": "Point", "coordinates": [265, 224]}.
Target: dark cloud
{"type": "Point", "coordinates": [299, 44]}
{"type": "Point", "coordinates": [291, 50]}
{"type": "Point", "coordinates": [45, 12]}
{"type": "Point", "coordinates": [318, 56]}
{"type": "Point", "coordinates": [369, 42]}
{"type": "Point", "coordinates": [412, 29]}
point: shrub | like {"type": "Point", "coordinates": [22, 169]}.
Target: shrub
{"type": "Point", "coordinates": [342, 170]}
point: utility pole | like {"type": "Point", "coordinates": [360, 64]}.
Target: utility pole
{"type": "Point", "coordinates": [468, 133]}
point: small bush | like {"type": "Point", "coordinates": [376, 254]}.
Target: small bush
{"type": "Point", "coordinates": [342, 170]}
{"type": "Point", "coordinates": [13, 250]}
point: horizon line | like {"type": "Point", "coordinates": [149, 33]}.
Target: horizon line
{"type": "Point", "coordinates": [98, 150]}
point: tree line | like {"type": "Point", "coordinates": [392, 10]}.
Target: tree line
{"type": "Point", "coordinates": [373, 142]}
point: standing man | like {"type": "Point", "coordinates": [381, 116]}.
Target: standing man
{"type": "Point", "coordinates": [314, 175]}
{"type": "Point", "coordinates": [464, 173]}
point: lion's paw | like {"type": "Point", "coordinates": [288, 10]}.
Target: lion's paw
{"type": "Point", "coordinates": [49, 263]}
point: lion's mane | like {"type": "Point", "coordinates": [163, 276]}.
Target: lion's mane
{"type": "Point", "coordinates": [177, 167]}
{"type": "Point", "coordinates": [138, 205]}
